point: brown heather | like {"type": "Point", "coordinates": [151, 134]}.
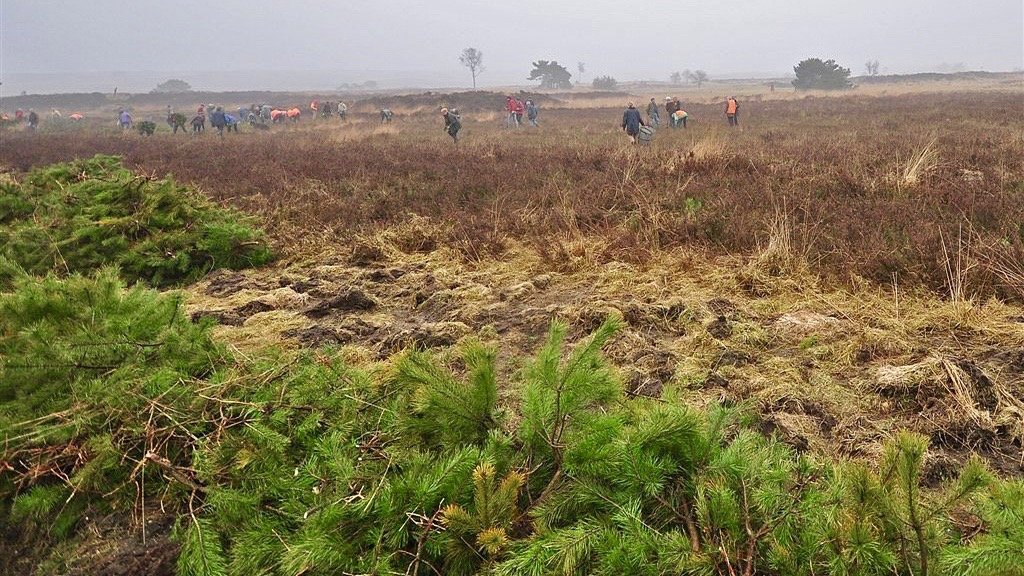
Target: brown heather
{"type": "Point", "coordinates": [864, 186]}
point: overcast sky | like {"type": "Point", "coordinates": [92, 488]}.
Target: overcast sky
{"type": "Point", "coordinates": [628, 40]}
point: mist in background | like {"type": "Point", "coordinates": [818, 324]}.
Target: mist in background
{"type": "Point", "coordinates": [64, 46]}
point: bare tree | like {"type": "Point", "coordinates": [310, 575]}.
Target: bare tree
{"type": "Point", "coordinates": [675, 77]}
{"type": "Point", "coordinates": [581, 67]}
{"type": "Point", "coordinates": [686, 75]}
{"type": "Point", "coordinates": [698, 76]}
{"type": "Point", "coordinates": [872, 67]}
{"type": "Point", "coordinates": [474, 60]}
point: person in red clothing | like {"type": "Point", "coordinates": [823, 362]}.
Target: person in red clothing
{"type": "Point", "coordinates": [510, 110]}
{"type": "Point", "coordinates": [520, 110]}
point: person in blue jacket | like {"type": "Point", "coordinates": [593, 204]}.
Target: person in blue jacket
{"type": "Point", "coordinates": [632, 121]}
{"type": "Point", "coordinates": [230, 123]}
{"type": "Point", "coordinates": [218, 120]}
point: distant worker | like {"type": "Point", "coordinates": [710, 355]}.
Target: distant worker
{"type": "Point", "coordinates": [177, 120]}
{"type": "Point", "coordinates": [732, 111]}
{"type": "Point", "coordinates": [55, 114]}
{"type": "Point", "coordinates": [231, 123]}
{"type": "Point", "coordinates": [520, 110]}
{"type": "Point", "coordinates": [510, 109]}
{"type": "Point", "coordinates": [632, 121]}
{"type": "Point", "coordinates": [652, 113]}
{"type": "Point", "coordinates": [198, 123]}
{"type": "Point", "coordinates": [124, 120]}
{"type": "Point", "coordinates": [386, 115]}
{"type": "Point", "coordinates": [19, 115]}
{"type": "Point", "coordinates": [201, 111]}
{"type": "Point", "coordinates": [452, 123]}
{"type": "Point", "coordinates": [313, 107]}
{"type": "Point", "coordinates": [679, 118]}
{"type": "Point", "coordinates": [671, 105]}
{"type": "Point", "coordinates": [76, 116]}
{"type": "Point", "coordinates": [342, 110]}
{"type": "Point", "coordinates": [531, 113]}
{"type": "Point", "coordinates": [218, 121]}
{"type": "Point", "coordinates": [33, 120]}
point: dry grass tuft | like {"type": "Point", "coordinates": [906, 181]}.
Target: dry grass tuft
{"type": "Point", "coordinates": [709, 149]}
{"type": "Point", "coordinates": [917, 166]}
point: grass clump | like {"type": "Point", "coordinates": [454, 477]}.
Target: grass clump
{"type": "Point", "coordinates": [81, 215]}
{"type": "Point", "coordinates": [310, 466]}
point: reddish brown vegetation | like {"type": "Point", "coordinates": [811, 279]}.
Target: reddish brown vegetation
{"type": "Point", "coordinates": [835, 167]}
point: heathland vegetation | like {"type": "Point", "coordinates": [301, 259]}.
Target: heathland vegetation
{"type": "Point", "coordinates": [792, 349]}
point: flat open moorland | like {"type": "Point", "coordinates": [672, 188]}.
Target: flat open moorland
{"type": "Point", "coordinates": [845, 267]}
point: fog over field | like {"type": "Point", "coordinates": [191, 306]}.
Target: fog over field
{"type": "Point", "coordinates": [54, 46]}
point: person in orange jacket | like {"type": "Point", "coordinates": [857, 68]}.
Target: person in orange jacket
{"type": "Point", "coordinates": [732, 111]}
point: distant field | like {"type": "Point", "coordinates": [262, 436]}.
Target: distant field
{"type": "Point", "coordinates": [867, 187]}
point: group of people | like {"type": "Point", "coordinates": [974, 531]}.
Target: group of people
{"type": "Point", "coordinates": [31, 117]}
{"type": "Point", "coordinates": [262, 114]}
{"type": "Point", "coordinates": [632, 120]}
{"type": "Point", "coordinates": [328, 109]}
{"type": "Point", "coordinates": [515, 108]}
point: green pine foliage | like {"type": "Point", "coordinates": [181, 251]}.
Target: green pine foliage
{"type": "Point", "coordinates": [1000, 548]}
{"type": "Point", "coordinates": [478, 536]}
{"type": "Point", "coordinates": [304, 465]}
{"type": "Point", "coordinates": [447, 410]}
{"type": "Point", "coordinates": [86, 214]}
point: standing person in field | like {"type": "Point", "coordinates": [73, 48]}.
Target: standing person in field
{"type": "Point", "coordinates": [671, 105]}
{"type": "Point", "coordinates": [342, 110]}
{"type": "Point", "coordinates": [124, 120]}
{"type": "Point", "coordinates": [452, 123]}
{"type": "Point", "coordinates": [531, 113]}
{"type": "Point", "coordinates": [732, 111]}
{"type": "Point", "coordinates": [632, 121]}
{"type": "Point", "coordinates": [510, 109]}
{"type": "Point", "coordinates": [520, 109]}
{"type": "Point", "coordinates": [313, 107]}
{"type": "Point", "coordinates": [33, 120]}
{"type": "Point", "coordinates": [652, 113]}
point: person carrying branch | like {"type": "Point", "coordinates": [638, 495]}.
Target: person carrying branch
{"type": "Point", "coordinates": [452, 123]}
